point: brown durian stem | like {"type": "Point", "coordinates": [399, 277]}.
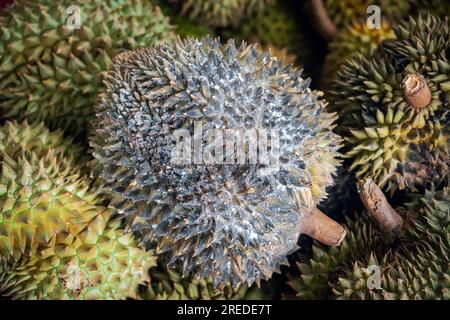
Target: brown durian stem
{"type": "Point", "coordinates": [325, 26]}
{"type": "Point", "coordinates": [416, 91]}
{"type": "Point", "coordinates": [319, 226]}
{"type": "Point", "coordinates": [379, 208]}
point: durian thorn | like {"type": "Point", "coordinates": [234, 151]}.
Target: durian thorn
{"type": "Point", "coordinates": [379, 208]}
{"type": "Point", "coordinates": [319, 226]}
{"type": "Point", "coordinates": [416, 91]}
{"type": "Point", "coordinates": [325, 26]}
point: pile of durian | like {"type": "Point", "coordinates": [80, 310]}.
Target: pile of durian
{"type": "Point", "coordinates": [93, 207]}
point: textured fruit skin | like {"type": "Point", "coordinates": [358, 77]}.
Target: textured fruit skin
{"type": "Point", "coordinates": [419, 269]}
{"type": "Point", "coordinates": [174, 207]}
{"type": "Point", "coordinates": [398, 146]}
{"type": "Point", "coordinates": [168, 284]}
{"type": "Point", "coordinates": [221, 13]}
{"type": "Point", "coordinates": [326, 262]}
{"type": "Point", "coordinates": [345, 12]}
{"type": "Point", "coordinates": [56, 242]}
{"type": "Point", "coordinates": [51, 72]}
{"type": "Point", "coordinates": [355, 38]}
{"type": "Point", "coordinates": [437, 7]}
{"type": "Point", "coordinates": [277, 28]}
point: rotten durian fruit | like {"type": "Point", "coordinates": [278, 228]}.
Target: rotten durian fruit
{"type": "Point", "coordinates": [233, 222]}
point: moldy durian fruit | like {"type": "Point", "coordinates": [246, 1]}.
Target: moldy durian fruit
{"type": "Point", "coordinates": [344, 12]}
{"type": "Point", "coordinates": [233, 222]}
{"type": "Point", "coordinates": [51, 71]}
{"type": "Point", "coordinates": [394, 108]}
{"type": "Point", "coordinates": [56, 242]}
{"type": "Point", "coordinates": [168, 284]}
{"type": "Point", "coordinates": [221, 13]}
{"type": "Point", "coordinates": [419, 269]}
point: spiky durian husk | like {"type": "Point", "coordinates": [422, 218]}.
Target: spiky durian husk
{"type": "Point", "coordinates": [355, 38]}
{"type": "Point", "coordinates": [221, 13]}
{"type": "Point", "coordinates": [168, 284]}
{"type": "Point", "coordinates": [55, 241]}
{"type": "Point", "coordinates": [36, 138]}
{"type": "Point", "coordinates": [277, 27]}
{"type": "Point", "coordinates": [51, 72]}
{"type": "Point", "coordinates": [326, 262]}
{"type": "Point", "coordinates": [398, 146]}
{"type": "Point", "coordinates": [438, 7]}
{"type": "Point", "coordinates": [175, 207]}
{"type": "Point", "coordinates": [344, 12]}
{"type": "Point", "coordinates": [184, 26]}
{"type": "Point", "coordinates": [420, 269]}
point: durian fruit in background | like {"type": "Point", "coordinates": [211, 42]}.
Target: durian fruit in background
{"type": "Point", "coordinates": [355, 38]}
{"type": "Point", "coordinates": [344, 12]}
{"type": "Point", "coordinates": [418, 269]}
{"type": "Point", "coordinates": [221, 13]}
{"type": "Point", "coordinates": [52, 63]}
{"type": "Point", "coordinates": [278, 28]}
{"type": "Point", "coordinates": [56, 241]}
{"type": "Point", "coordinates": [168, 284]}
{"type": "Point", "coordinates": [326, 263]}
{"type": "Point", "coordinates": [437, 7]}
{"type": "Point", "coordinates": [258, 211]}
{"type": "Point", "coordinates": [184, 26]}
{"type": "Point", "coordinates": [394, 109]}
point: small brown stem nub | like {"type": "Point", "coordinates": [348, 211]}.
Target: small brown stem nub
{"type": "Point", "coordinates": [416, 91]}
{"type": "Point", "coordinates": [325, 26]}
{"type": "Point", "coordinates": [322, 228]}
{"type": "Point", "coordinates": [379, 208]}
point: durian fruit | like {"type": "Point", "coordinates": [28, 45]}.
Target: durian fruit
{"type": "Point", "coordinates": [344, 12]}
{"type": "Point", "coordinates": [394, 109]}
{"type": "Point", "coordinates": [326, 263]}
{"type": "Point", "coordinates": [188, 28]}
{"type": "Point", "coordinates": [233, 222]}
{"type": "Point", "coordinates": [184, 26]}
{"type": "Point", "coordinates": [419, 269]}
{"type": "Point", "coordinates": [56, 242]}
{"type": "Point", "coordinates": [51, 70]}
{"type": "Point", "coordinates": [343, 199]}
{"type": "Point", "coordinates": [168, 284]}
{"type": "Point", "coordinates": [355, 38]}
{"type": "Point", "coordinates": [221, 13]}
{"type": "Point", "coordinates": [437, 7]}
{"type": "Point", "coordinates": [278, 28]}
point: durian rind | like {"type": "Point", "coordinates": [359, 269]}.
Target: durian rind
{"type": "Point", "coordinates": [51, 71]}
{"type": "Point", "coordinates": [56, 242]}
{"type": "Point", "coordinates": [211, 82]}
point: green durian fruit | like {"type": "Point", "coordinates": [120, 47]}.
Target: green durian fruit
{"type": "Point", "coordinates": [438, 7]}
{"type": "Point", "coordinates": [52, 71]}
{"type": "Point", "coordinates": [399, 143]}
{"type": "Point", "coordinates": [168, 284]}
{"type": "Point", "coordinates": [419, 269]}
{"type": "Point", "coordinates": [221, 13]}
{"type": "Point", "coordinates": [277, 27]}
{"type": "Point", "coordinates": [56, 241]}
{"type": "Point", "coordinates": [356, 38]}
{"type": "Point", "coordinates": [344, 12]}
{"type": "Point", "coordinates": [184, 26]}
{"type": "Point", "coordinates": [325, 263]}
